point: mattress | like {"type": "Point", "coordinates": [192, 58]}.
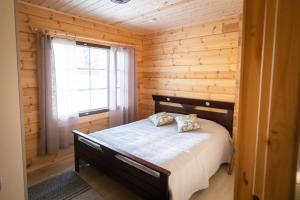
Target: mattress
{"type": "Point", "coordinates": [191, 157]}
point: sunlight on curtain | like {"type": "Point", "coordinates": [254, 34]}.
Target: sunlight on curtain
{"type": "Point", "coordinates": [66, 89]}
{"type": "Point", "coordinates": [122, 86]}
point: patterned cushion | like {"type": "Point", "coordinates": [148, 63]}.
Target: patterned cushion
{"type": "Point", "coordinates": [187, 123]}
{"type": "Point", "coordinates": [190, 116]}
{"type": "Point", "coordinates": [161, 118]}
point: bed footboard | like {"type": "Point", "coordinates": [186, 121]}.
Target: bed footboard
{"type": "Point", "coordinates": [147, 179]}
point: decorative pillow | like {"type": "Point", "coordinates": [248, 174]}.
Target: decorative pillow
{"type": "Point", "coordinates": [190, 116]}
{"type": "Point", "coordinates": [187, 123]}
{"type": "Point", "coordinates": [161, 118]}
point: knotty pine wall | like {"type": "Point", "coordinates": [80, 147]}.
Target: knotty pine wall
{"type": "Point", "coordinates": [31, 17]}
{"type": "Point", "coordinates": [196, 62]}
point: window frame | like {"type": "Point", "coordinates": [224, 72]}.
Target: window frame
{"type": "Point", "coordinates": [100, 110]}
{"type": "Point", "coordinates": [92, 112]}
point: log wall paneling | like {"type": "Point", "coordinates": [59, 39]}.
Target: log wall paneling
{"type": "Point", "coordinates": [31, 17]}
{"type": "Point", "coordinates": [199, 61]}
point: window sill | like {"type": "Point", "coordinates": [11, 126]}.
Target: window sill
{"type": "Point", "coordinates": [93, 112]}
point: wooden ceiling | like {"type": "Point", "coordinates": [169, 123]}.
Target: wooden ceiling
{"type": "Point", "coordinates": [147, 15]}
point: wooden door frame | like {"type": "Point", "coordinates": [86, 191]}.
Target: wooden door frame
{"type": "Point", "coordinates": [252, 39]}
{"type": "Point", "coordinates": [270, 90]}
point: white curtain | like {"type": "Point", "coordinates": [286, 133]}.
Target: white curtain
{"type": "Point", "coordinates": [49, 136]}
{"type": "Point", "coordinates": [122, 86]}
{"type": "Point", "coordinates": [66, 91]}
{"type": "Point", "coordinates": [58, 115]}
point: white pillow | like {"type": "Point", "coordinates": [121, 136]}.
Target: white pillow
{"type": "Point", "coordinates": [161, 118]}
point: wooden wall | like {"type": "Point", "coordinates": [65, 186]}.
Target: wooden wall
{"type": "Point", "coordinates": [196, 62]}
{"type": "Point", "coordinates": [30, 18]}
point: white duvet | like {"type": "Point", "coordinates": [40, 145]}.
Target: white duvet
{"type": "Point", "coordinates": [191, 157]}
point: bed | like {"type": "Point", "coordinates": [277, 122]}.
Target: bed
{"type": "Point", "coordinates": [159, 162]}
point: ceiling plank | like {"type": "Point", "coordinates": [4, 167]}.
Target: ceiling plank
{"type": "Point", "coordinates": [147, 16]}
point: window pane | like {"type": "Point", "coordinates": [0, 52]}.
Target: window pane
{"type": "Point", "coordinates": [82, 100]}
{"type": "Point", "coordinates": [98, 79]}
{"type": "Point", "coordinates": [82, 56]}
{"type": "Point", "coordinates": [88, 80]}
{"type": "Point", "coordinates": [99, 58]}
{"type": "Point", "coordinates": [82, 79]}
{"type": "Point", "coordinates": [99, 99]}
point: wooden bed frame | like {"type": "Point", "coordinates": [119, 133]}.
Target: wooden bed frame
{"type": "Point", "coordinates": [103, 156]}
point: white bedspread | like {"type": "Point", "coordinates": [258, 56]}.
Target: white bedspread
{"type": "Point", "coordinates": [191, 157]}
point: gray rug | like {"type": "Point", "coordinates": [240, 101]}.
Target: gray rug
{"type": "Point", "coordinates": [63, 187]}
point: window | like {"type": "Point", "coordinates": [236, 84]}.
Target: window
{"type": "Point", "coordinates": [88, 64]}
{"type": "Point", "coordinates": [92, 66]}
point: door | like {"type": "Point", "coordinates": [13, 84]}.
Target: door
{"type": "Point", "coordinates": [270, 87]}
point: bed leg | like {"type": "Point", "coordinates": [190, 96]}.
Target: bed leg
{"type": "Point", "coordinates": [165, 180]}
{"type": "Point", "coordinates": [77, 165]}
{"type": "Point", "coordinates": [76, 157]}
{"type": "Point", "coordinates": [231, 164]}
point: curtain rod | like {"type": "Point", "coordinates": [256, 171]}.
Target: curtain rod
{"type": "Point", "coordinates": [75, 37]}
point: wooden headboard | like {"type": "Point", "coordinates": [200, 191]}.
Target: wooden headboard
{"type": "Point", "coordinates": [217, 111]}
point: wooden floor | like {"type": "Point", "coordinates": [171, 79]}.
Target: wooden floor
{"type": "Point", "coordinates": [221, 184]}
